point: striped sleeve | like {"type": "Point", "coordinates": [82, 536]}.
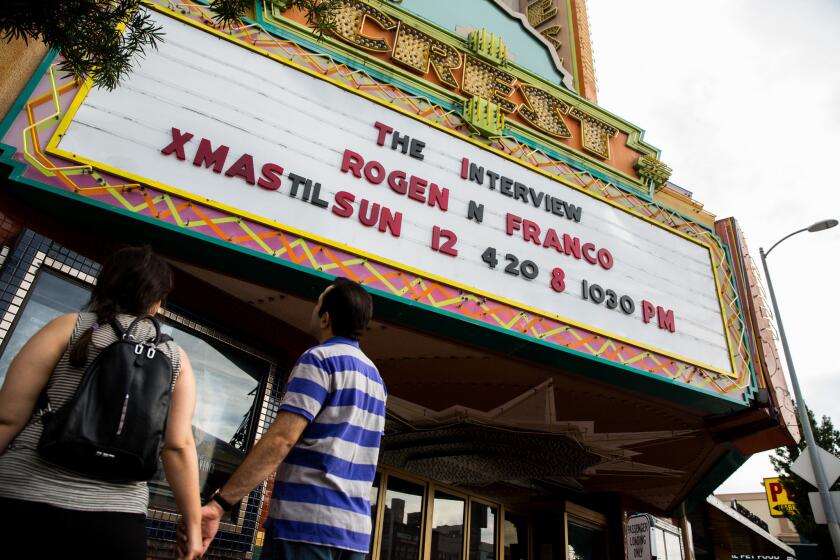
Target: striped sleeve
{"type": "Point", "coordinates": [308, 387]}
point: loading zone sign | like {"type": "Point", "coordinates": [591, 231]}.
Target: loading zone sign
{"type": "Point", "coordinates": [641, 545]}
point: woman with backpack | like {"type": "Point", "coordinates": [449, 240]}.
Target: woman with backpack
{"type": "Point", "coordinates": [49, 510]}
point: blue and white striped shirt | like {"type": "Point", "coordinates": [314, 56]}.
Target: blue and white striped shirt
{"type": "Point", "coordinates": [322, 489]}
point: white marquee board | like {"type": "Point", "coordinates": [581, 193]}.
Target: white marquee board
{"type": "Point", "coordinates": [217, 90]}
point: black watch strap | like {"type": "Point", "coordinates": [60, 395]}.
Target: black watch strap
{"type": "Point", "coordinates": [217, 497]}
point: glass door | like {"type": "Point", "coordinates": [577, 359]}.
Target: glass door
{"type": "Point", "coordinates": [228, 396]}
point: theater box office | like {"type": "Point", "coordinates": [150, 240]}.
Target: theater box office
{"type": "Point", "coordinates": [567, 338]}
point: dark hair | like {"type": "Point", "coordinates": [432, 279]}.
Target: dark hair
{"type": "Point", "coordinates": [350, 308]}
{"type": "Point", "coordinates": [130, 282]}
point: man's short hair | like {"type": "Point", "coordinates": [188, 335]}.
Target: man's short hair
{"type": "Point", "coordinates": [350, 308]}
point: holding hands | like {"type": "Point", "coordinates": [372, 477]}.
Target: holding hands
{"type": "Point", "coordinates": [194, 541]}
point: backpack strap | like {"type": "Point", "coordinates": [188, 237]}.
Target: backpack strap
{"type": "Point", "coordinates": [158, 338]}
{"type": "Point", "coordinates": [155, 323]}
{"type": "Point", "coordinates": [118, 328]}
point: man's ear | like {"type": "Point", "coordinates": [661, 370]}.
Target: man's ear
{"type": "Point", "coordinates": [325, 321]}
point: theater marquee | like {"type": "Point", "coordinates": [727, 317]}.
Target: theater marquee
{"type": "Point", "coordinates": [212, 121]}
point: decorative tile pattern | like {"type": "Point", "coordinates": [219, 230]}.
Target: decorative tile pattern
{"type": "Point", "coordinates": [34, 126]}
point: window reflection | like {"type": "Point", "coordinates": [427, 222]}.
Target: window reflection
{"type": "Point", "coordinates": [586, 542]}
{"type": "Point", "coordinates": [402, 520]}
{"type": "Point", "coordinates": [447, 527]}
{"type": "Point", "coordinates": [482, 532]}
{"type": "Point", "coordinates": [516, 537]}
{"type": "Point", "coordinates": [50, 296]}
{"type": "Point", "coordinates": [374, 499]}
{"type": "Point", "coordinates": [227, 382]}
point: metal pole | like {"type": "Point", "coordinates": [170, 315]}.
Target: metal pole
{"type": "Point", "coordinates": [816, 460]}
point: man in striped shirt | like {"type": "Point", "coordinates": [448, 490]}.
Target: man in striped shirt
{"type": "Point", "coordinates": [325, 439]}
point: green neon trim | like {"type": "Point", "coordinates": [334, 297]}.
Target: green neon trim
{"type": "Point", "coordinates": [574, 49]}
{"type": "Point", "coordinates": [635, 134]}
{"type": "Point", "coordinates": [567, 95]}
{"type": "Point", "coordinates": [415, 86]}
{"type": "Point", "coordinates": [372, 66]}
{"type": "Point", "coordinates": [536, 140]}
{"type": "Point", "coordinates": [607, 177]}
{"type": "Point", "coordinates": [451, 101]}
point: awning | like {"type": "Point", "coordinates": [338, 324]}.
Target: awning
{"type": "Point", "coordinates": [729, 530]}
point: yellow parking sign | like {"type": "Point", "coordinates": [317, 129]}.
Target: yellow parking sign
{"type": "Point", "coordinates": [777, 498]}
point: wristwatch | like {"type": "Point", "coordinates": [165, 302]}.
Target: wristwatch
{"type": "Point", "coordinates": [217, 497]}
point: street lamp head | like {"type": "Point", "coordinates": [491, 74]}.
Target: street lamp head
{"type": "Point", "coordinates": [817, 226]}
{"type": "Point", "coordinates": [821, 225]}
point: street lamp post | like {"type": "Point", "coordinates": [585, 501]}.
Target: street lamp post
{"type": "Point", "coordinates": [819, 471]}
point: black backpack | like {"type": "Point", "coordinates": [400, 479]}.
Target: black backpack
{"type": "Point", "coordinates": [113, 428]}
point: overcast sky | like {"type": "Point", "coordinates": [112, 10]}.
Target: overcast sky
{"type": "Point", "coordinates": [743, 99]}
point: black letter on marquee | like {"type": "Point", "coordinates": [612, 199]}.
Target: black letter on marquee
{"type": "Point", "coordinates": [297, 180]}
{"type": "Point", "coordinates": [475, 212]}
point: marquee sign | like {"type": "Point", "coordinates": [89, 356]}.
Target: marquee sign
{"type": "Point", "coordinates": [211, 121]}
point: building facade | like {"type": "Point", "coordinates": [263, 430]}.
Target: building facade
{"type": "Point", "coordinates": [567, 338]}
{"type": "Point", "coordinates": [731, 530]}
{"type": "Point", "coordinates": [755, 504]}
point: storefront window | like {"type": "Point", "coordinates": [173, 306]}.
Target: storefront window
{"type": "Point", "coordinates": [482, 532]}
{"type": "Point", "coordinates": [447, 527]}
{"type": "Point", "coordinates": [402, 520]}
{"type": "Point", "coordinates": [516, 537]}
{"type": "Point", "coordinates": [51, 295]}
{"type": "Point", "coordinates": [227, 381]}
{"type": "Point", "coordinates": [586, 541]}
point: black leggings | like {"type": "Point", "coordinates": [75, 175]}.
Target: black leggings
{"type": "Point", "coordinates": [36, 530]}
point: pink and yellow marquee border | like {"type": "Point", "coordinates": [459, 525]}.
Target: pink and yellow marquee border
{"type": "Point", "coordinates": [38, 124]}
